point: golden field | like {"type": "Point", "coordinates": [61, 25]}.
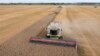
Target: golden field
{"type": "Point", "coordinates": [20, 22]}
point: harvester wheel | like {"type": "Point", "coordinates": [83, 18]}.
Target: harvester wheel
{"type": "Point", "coordinates": [60, 37]}
{"type": "Point", "coordinates": [48, 37]}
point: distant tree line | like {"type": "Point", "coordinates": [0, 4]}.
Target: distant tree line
{"type": "Point", "coordinates": [49, 3]}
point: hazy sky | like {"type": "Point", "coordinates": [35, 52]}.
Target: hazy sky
{"type": "Point", "coordinates": [36, 1]}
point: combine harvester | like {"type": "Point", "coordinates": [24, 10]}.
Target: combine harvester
{"type": "Point", "coordinates": [54, 36]}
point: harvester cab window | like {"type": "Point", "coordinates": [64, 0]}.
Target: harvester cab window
{"type": "Point", "coordinates": [53, 32]}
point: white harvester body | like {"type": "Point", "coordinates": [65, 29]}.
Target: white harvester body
{"type": "Point", "coordinates": [54, 29]}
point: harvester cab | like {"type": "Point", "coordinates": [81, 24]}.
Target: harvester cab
{"type": "Point", "coordinates": [54, 30]}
